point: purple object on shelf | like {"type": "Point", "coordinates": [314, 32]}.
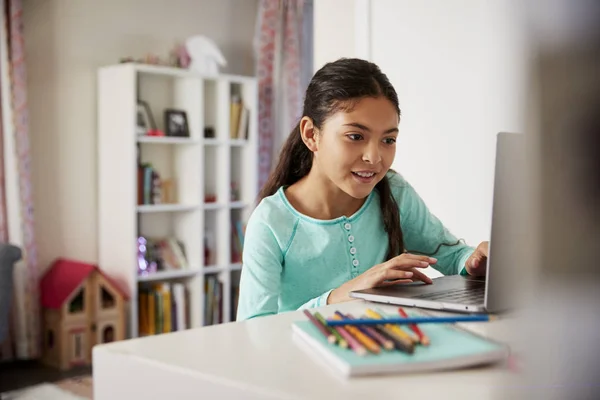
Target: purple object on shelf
{"type": "Point", "coordinates": [144, 266]}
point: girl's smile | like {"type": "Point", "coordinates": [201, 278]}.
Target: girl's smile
{"type": "Point", "coordinates": [367, 177]}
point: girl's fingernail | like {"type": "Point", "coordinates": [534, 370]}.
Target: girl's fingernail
{"type": "Point", "coordinates": [432, 260]}
{"type": "Point", "coordinates": [423, 263]}
{"type": "Point", "coordinates": [408, 274]}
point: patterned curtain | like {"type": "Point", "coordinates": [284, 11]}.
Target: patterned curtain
{"type": "Point", "coordinates": [16, 217]}
{"type": "Point", "coordinates": [283, 45]}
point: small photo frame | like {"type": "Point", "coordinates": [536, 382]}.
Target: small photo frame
{"type": "Point", "coordinates": [176, 123]}
{"type": "Point", "coordinates": [144, 120]}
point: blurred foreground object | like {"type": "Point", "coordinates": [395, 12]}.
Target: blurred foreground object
{"type": "Point", "coordinates": [560, 323]}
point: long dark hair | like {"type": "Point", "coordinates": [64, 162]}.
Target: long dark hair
{"type": "Point", "coordinates": [337, 86]}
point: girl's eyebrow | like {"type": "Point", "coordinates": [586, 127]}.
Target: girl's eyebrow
{"type": "Point", "coordinates": [365, 128]}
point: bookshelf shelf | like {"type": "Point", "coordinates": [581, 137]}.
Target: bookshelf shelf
{"type": "Point", "coordinates": [237, 142]}
{"type": "Point", "coordinates": [214, 142]}
{"type": "Point", "coordinates": [166, 275]}
{"type": "Point", "coordinates": [220, 206]}
{"type": "Point", "coordinates": [213, 269]}
{"type": "Point", "coordinates": [237, 204]}
{"type": "Point", "coordinates": [213, 206]}
{"type": "Point", "coordinates": [157, 189]}
{"type": "Point", "coordinates": [156, 208]}
{"type": "Point", "coordinates": [167, 140]}
{"type": "Point", "coordinates": [227, 142]}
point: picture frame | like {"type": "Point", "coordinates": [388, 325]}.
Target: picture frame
{"type": "Point", "coordinates": [144, 119]}
{"type": "Point", "coordinates": [176, 123]}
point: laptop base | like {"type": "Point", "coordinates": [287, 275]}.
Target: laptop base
{"type": "Point", "coordinates": [447, 293]}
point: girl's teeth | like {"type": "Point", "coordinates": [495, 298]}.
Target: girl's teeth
{"type": "Point", "coordinates": [364, 175]}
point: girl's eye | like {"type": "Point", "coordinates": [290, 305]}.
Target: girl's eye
{"type": "Point", "coordinates": [389, 140]}
{"type": "Point", "coordinates": [354, 136]}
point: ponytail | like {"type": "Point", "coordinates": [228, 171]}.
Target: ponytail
{"type": "Point", "coordinates": [391, 218]}
{"type": "Point", "coordinates": [295, 161]}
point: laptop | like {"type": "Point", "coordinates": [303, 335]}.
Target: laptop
{"type": "Point", "coordinates": [492, 293]}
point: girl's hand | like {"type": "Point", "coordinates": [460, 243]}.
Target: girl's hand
{"type": "Point", "coordinates": [400, 269]}
{"type": "Point", "coordinates": [476, 264]}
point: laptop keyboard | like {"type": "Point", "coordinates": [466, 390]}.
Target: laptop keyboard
{"type": "Point", "coordinates": [464, 296]}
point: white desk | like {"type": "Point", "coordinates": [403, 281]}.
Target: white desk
{"type": "Point", "coordinates": [258, 359]}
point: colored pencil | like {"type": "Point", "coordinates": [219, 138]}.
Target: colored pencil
{"type": "Point", "coordinates": [363, 339]}
{"type": "Point", "coordinates": [404, 332]}
{"type": "Point", "coordinates": [401, 344]}
{"type": "Point", "coordinates": [370, 331]}
{"type": "Point", "coordinates": [333, 329]}
{"type": "Point", "coordinates": [412, 320]}
{"type": "Point", "coordinates": [354, 344]}
{"type": "Point", "coordinates": [423, 339]}
{"type": "Point", "coordinates": [321, 327]}
{"type": "Point", "coordinates": [394, 328]}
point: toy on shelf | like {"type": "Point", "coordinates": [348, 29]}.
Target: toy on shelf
{"type": "Point", "coordinates": [205, 56]}
{"type": "Point", "coordinates": [82, 307]}
{"type": "Point", "coordinates": [145, 264]}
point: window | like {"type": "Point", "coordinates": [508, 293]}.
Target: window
{"type": "Point", "coordinates": [108, 334]}
{"type": "Point", "coordinates": [77, 304]}
{"type": "Point", "coordinates": [107, 299]}
{"type": "Point", "coordinates": [50, 339]}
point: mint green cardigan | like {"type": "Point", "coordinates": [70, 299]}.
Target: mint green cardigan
{"type": "Point", "coordinates": [292, 261]}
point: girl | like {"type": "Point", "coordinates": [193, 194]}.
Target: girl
{"type": "Point", "coordinates": [333, 217]}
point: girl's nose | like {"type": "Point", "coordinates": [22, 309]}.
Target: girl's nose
{"type": "Point", "coordinates": [372, 155]}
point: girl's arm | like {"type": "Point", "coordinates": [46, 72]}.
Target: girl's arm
{"type": "Point", "coordinates": [317, 301]}
{"type": "Point", "coordinates": [424, 232]}
{"type": "Point", "coordinates": [261, 273]}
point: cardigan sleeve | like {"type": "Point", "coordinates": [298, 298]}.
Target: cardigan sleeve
{"type": "Point", "coordinates": [260, 281]}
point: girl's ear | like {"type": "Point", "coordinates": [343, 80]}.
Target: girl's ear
{"type": "Point", "coordinates": [309, 133]}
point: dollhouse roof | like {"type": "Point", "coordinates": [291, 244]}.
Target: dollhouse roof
{"type": "Point", "coordinates": [63, 277]}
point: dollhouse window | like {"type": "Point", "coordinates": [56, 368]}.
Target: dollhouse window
{"type": "Point", "coordinates": [50, 339]}
{"type": "Point", "coordinates": [108, 334]}
{"type": "Point", "coordinates": [107, 299]}
{"type": "Point", "coordinates": [77, 304]}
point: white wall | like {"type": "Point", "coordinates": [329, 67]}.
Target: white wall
{"type": "Point", "coordinates": [333, 40]}
{"type": "Point", "coordinates": [65, 41]}
{"type": "Point", "coordinates": [459, 69]}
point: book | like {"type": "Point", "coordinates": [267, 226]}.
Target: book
{"type": "Point", "coordinates": [451, 348]}
{"type": "Point", "coordinates": [162, 308]}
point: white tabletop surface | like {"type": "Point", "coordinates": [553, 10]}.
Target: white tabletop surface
{"type": "Point", "coordinates": [259, 359]}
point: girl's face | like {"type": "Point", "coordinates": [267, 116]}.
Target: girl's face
{"type": "Point", "coordinates": [355, 149]}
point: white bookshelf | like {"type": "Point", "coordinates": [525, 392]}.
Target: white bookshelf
{"type": "Point", "coordinates": [199, 167]}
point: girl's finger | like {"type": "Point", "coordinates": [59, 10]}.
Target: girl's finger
{"type": "Point", "coordinates": [405, 263]}
{"type": "Point", "coordinates": [430, 260]}
{"type": "Point", "coordinates": [419, 276]}
{"type": "Point", "coordinates": [427, 259]}
{"type": "Point", "coordinates": [394, 274]}
{"type": "Point", "coordinates": [397, 281]}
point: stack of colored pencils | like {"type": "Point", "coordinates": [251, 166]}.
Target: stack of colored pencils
{"type": "Point", "coordinates": [376, 332]}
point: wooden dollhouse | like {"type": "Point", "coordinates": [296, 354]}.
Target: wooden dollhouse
{"type": "Point", "coordinates": [82, 307]}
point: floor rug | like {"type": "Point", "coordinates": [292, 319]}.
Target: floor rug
{"type": "Point", "coordinates": [78, 388]}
